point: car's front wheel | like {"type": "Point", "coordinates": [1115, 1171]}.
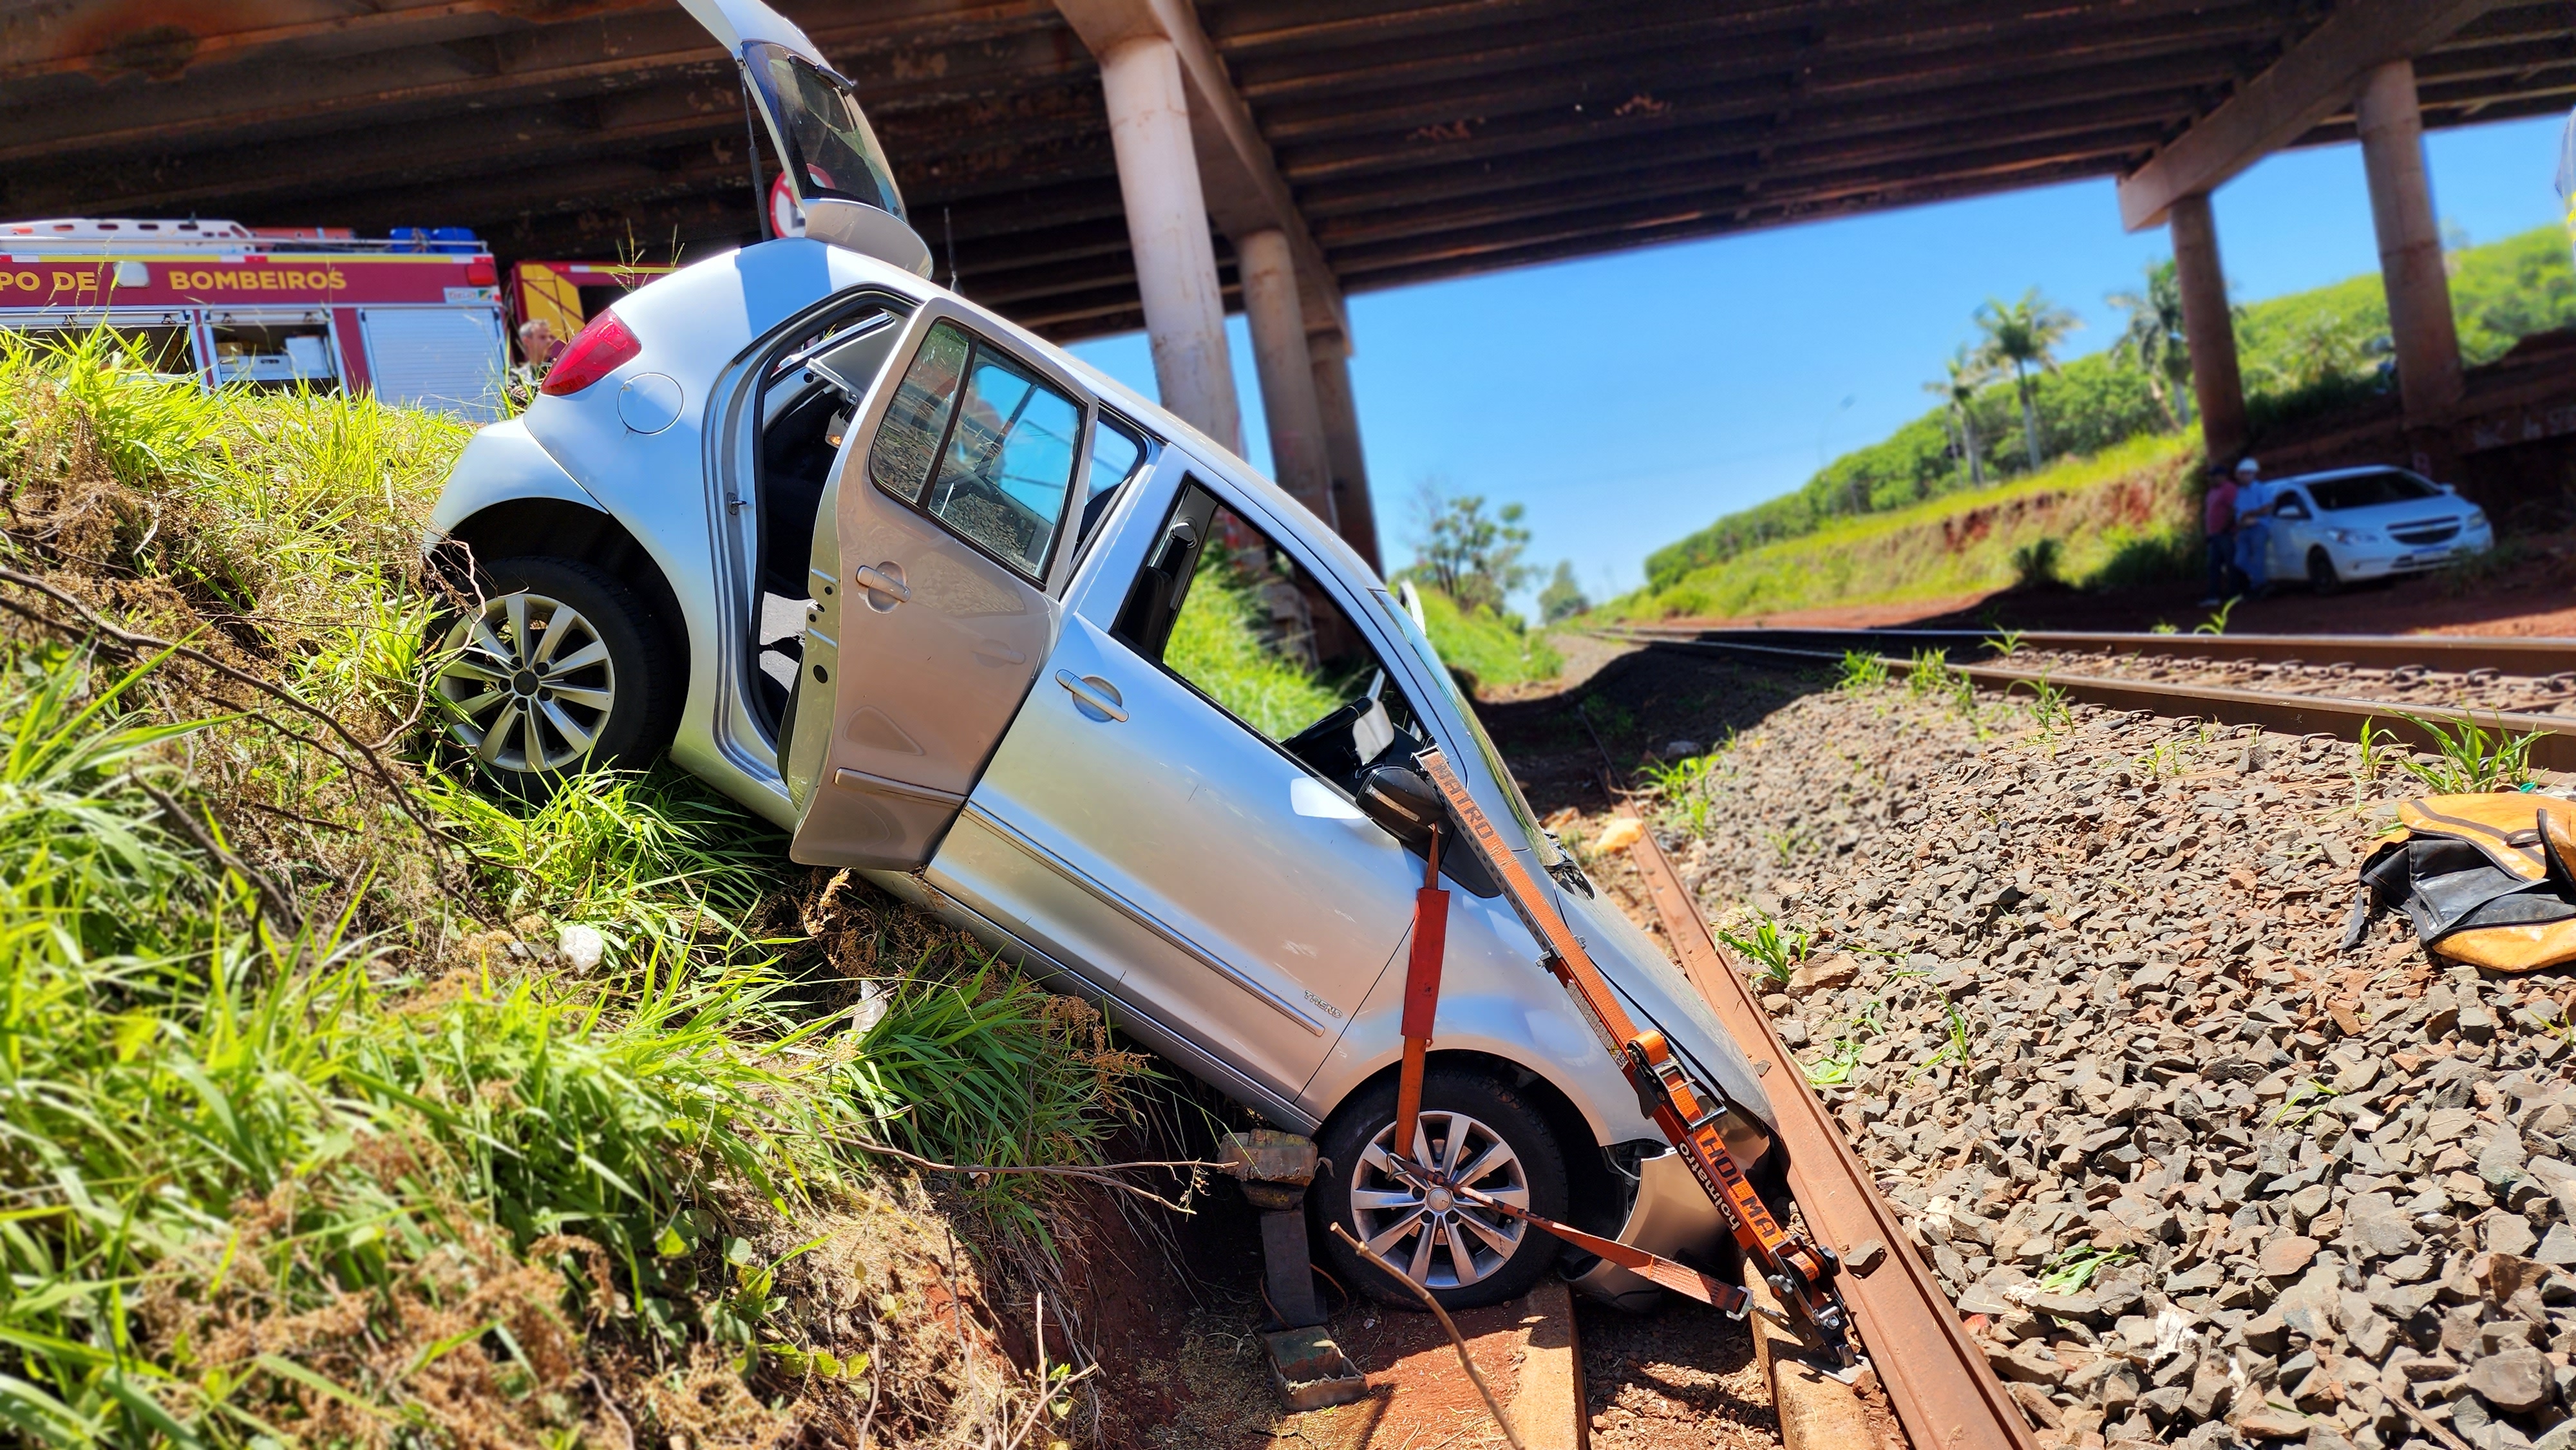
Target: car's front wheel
{"type": "Point", "coordinates": [1475, 1132]}
{"type": "Point", "coordinates": [2321, 572]}
{"type": "Point", "coordinates": [556, 670]}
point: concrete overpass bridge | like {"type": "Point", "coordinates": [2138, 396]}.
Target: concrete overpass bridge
{"type": "Point", "coordinates": [1091, 166]}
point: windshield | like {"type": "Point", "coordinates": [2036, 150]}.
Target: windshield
{"type": "Point", "coordinates": [831, 152]}
{"type": "Point", "coordinates": [1541, 844]}
{"type": "Point", "coordinates": [2367, 490]}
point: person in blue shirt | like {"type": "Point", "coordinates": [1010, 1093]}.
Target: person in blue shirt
{"type": "Point", "coordinates": [2253, 527]}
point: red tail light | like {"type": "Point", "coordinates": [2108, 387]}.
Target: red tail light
{"type": "Point", "coordinates": [602, 348]}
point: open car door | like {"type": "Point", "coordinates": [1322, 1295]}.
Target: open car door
{"type": "Point", "coordinates": [826, 148]}
{"type": "Point", "coordinates": [941, 525]}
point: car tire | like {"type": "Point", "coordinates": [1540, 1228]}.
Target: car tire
{"type": "Point", "coordinates": [2321, 572]}
{"type": "Point", "coordinates": [560, 668]}
{"type": "Point", "coordinates": [1468, 1118]}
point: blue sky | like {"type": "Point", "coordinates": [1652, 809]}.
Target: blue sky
{"type": "Point", "coordinates": [1628, 399]}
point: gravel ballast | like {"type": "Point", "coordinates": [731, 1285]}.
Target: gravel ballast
{"type": "Point", "coordinates": [2194, 1174]}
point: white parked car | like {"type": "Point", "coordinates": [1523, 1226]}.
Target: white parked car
{"type": "Point", "coordinates": [2369, 523]}
{"type": "Point", "coordinates": [961, 612]}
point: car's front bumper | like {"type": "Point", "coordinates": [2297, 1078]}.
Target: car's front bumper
{"type": "Point", "coordinates": [2379, 561]}
{"type": "Point", "coordinates": [1672, 1216]}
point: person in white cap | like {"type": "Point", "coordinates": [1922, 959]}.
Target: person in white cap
{"type": "Point", "coordinates": [2253, 527]}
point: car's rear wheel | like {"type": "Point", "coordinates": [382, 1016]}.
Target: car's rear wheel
{"type": "Point", "coordinates": [2321, 572]}
{"type": "Point", "coordinates": [1475, 1132]}
{"type": "Point", "coordinates": [557, 670]}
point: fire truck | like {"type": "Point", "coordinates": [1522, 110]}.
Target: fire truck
{"type": "Point", "coordinates": [565, 295]}
{"type": "Point", "coordinates": [416, 318]}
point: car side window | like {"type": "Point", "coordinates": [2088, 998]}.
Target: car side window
{"type": "Point", "coordinates": [978, 442]}
{"type": "Point", "coordinates": [2290, 506]}
{"type": "Point", "coordinates": [1221, 606]}
{"type": "Point", "coordinates": [1117, 452]}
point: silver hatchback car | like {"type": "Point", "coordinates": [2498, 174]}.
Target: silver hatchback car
{"type": "Point", "coordinates": [961, 612]}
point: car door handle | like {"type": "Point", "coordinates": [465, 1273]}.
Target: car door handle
{"type": "Point", "coordinates": [877, 581]}
{"type": "Point", "coordinates": [1097, 693]}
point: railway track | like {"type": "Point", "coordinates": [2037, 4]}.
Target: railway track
{"type": "Point", "coordinates": [2105, 670]}
{"type": "Point", "coordinates": [1935, 1377]}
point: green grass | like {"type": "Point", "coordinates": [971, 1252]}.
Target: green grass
{"type": "Point", "coordinates": [1778, 953]}
{"type": "Point", "coordinates": [306, 1137]}
{"type": "Point", "coordinates": [1218, 644]}
{"type": "Point", "coordinates": [1496, 650]}
{"type": "Point", "coordinates": [2466, 759]}
{"type": "Point", "coordinates": [653, 862]}
{"type": "Point", "coordinates": [2097, 512]}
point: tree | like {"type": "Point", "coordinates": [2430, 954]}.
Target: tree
{"type": "Point", "coordinates": [1562, 598]}
{"type": "Point", "coordinates": [1963, 376]}
{"type": "Point", "coordinates": [2153, 341]}
{"type": "Point", "coordinates": [1468, 556]}
{"type": "Point", "coordinates": [2026, 334]}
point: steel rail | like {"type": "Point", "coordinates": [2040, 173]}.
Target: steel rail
{"type": "Point", "coordinates": [2446, 652]}
{"type": "Point", "coordinates": [1937, 1379]}
{"type": "Point", "coordinates": [2553, 743]}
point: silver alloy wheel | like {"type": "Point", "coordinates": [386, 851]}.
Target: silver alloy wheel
{"type": "Point", "coordinates": [1417, 1230]}
{"type": "Point", "coordinates": [528, 684]}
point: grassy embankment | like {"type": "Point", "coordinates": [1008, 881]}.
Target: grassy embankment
{"type": "Point", "coordinates": [2121, 516]}
{"type": "Point", "coordinates": [1218, 644]}
{"type": "Point", "coordinates": [309, 1134]}
{"type": "Point", "coordinates": [1492, 650]}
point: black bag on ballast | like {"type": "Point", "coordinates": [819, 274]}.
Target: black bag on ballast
{"type": "Point", "coordinates": [2489, 880]}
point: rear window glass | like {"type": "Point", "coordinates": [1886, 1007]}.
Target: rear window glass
{"type": "Point", "coordinates": [2367, 490]}
{"type": "Point", "coordinates": [829, 142]}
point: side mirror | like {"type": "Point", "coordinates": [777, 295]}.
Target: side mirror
{"type": "Point", "coordinates": [1399, 799]}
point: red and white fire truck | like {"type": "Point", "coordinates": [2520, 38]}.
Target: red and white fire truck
{"type": "Point", "coordinates": [415, 318]}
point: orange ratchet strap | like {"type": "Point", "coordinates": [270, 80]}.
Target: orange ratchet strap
{"type": "Point", "coordinates": [1421, 995]}
{"type": "Point", "coordinates": [1798, 1270]}
{"type": "Point", "coordinates": [1679, 1277]}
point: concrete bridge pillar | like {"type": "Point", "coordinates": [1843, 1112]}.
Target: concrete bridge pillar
{"type": "Point", "coordinates": [1341, 416]}
{"type": "Point", "coordinates": [2208, 329]}
{"type": "Point", "coordinates": [2410, 244]}
{"type": "Point", "coordinates": [1167, 226]}
{"type": "Point", "coordinates": [1270, 303]}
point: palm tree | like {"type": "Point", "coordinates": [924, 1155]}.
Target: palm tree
{"type": "Point", "coordinates": [1963, 376]}
{"type": "Point", "coordinates": [2154, 342]}
{"type": "Point", "coordinates": [2026, 334]}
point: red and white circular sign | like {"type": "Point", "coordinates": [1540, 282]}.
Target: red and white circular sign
{"type": "Point", "coordinates": [786, 218]}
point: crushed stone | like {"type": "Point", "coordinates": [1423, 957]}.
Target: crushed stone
{"type": "Point", "coordinates": [2194, 1174]}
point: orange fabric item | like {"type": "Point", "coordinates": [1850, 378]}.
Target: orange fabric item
{"type": "Point", "coordinates": [1683, 1109]}
{"type": "Point", "coordinates": [1421, 994]}
{"type": "Point", "coordinates": [2514, 913]}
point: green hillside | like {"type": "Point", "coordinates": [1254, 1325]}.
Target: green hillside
{"type": "Point", "coordinates": [2301, 353]}
{"type": "Point", "coordinates": [2120, 516]}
